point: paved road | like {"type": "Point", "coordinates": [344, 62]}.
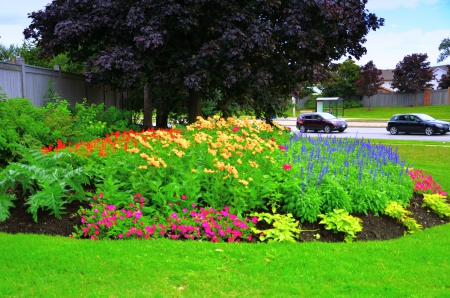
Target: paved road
{"type": "Point", "coordinates": [370, 130]}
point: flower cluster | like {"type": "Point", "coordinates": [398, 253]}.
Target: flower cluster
{"type": "Point", "coordinates": [105, 221]}
{"type": "Point", "coordinates": [424, 183]}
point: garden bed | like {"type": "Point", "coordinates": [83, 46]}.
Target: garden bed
{"type": "Point", "coordinates": [380, 227]}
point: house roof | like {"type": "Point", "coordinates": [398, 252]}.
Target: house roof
{"type": "Point", "coordinates": [388, 74]}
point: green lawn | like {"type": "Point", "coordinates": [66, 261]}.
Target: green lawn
{"type": "Point", "coordinates": [416, 265]}
{"type": "Point", "coordinates": [385, 113]}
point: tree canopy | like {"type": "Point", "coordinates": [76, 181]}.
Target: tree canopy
{"type": "Point", "coordinates": [444, 47]}
{"type": "Point", "coordinates": [369, 80]}
{"type": "Point", "coordinates": [259, 48]}
{"type": "Point", "coordinates": [341, 83]}
{"type": "Point", "coordinates": [412, 74]}
{"type": "Point", "coordinates": [444, 82]}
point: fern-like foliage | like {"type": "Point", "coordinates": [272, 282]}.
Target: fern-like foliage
{"type": "Point", "coordinates": [50, 180]}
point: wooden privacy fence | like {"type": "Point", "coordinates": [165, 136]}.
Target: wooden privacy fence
{"type": "Point", "coordinates": [435, 98]}
{"type": "Point", "coordinates": [21, 80]}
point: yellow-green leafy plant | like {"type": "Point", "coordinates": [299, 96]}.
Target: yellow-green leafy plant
{"type": "Point", "coordinates": [285, 227]}
{"type": "Point", "coordinates": [437, 203]}
{"type": "Point", "coordinates": [340, 220]}
{"type": "Point", "coordinates": [395, 210]}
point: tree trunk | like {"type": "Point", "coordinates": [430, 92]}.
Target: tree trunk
{"type": "Point", "coordinates": [148, 105]}
{"type": "Point", "coordinates": [195, 104]}
{"type": "Point", "coordinates": [161, 115]}
{"type": "Point", "coordinates": [368, 99]}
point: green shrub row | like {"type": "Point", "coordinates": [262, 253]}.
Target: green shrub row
{"type": "Point", "coordinates": [35, 127]}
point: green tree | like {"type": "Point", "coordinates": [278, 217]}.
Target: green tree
{"type": "Point", "coordinates": [8, 54]}
{"type": "Point", "coordinates": [444, 47]}
{"type": "Point", "coordinates": [341, 83]}
{"type": "Point", "coordinates": [30, 53]}
{"type": "Point", "coordinates": [261, 47]}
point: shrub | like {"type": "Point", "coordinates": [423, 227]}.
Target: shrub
{"type": "Point", "coordinates": [21, 123]}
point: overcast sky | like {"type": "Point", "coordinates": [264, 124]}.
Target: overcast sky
{"type": "Point", "coordinates": [411, 26]}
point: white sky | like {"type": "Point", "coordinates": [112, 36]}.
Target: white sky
{"type": "Point", "coordinates": [411, 26]}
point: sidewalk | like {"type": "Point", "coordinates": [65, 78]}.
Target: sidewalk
{"type": "Point", "coordinates": [351, 122]}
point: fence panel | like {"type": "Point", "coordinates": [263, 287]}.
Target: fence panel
{"type": "Point", "coordinates": [32, 82]}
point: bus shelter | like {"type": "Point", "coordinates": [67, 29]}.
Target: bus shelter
{"type": "Point", "coordinates": [332, 105]}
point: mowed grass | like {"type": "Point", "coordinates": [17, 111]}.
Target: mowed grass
{"type": "Point", "coordinates": [416, 265]}
{"type": "Point", "coordinates": [385, 113]}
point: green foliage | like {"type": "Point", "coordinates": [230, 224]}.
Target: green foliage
{"type": "Point", "coordinates": [115, 119]}
{"type": "Point", "coordinates": [341, 221]}
{"type": "Point", "coordinates": [342, 81]}
{"type": "Point", "coordinates": [352, 103]}
{"type": "Point", "coordinates": [87, 120]}
{"type": "Point", "coordinates": [334, 195]}
{"type": "Point", "coordinates": [395, 210]}
{"type": "Point", "coordinates": [437, 203]}
{"type": "Point", "coordinates": [6, 198]}
{"type": "Point", "coordinates": [21, 123]}
{"type": "Point", "coordinates": [444, 48]}
{"type": "Point", "coordinates": [51, 96]}
{"type": "Point", "coordinates": [8, 54]}
{"type": "Point", "coordinates": [51, 181]}
{"type": "Point", "coordinates": [285, 227]}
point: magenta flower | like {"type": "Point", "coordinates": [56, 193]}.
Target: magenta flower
{"type": "Point", "coordinates": [287, 167]}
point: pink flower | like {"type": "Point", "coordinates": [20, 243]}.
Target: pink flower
{"type": "Point", "coordinates": [183, 197]}
{"type": "Point", "coordinates": [185, 210]}
{"type": "Point", "coordinates": [236, 128]}
{"type": "Point", "coordinates": [120, 236]}
{"type": "Point", "coordinates": [287, 167]}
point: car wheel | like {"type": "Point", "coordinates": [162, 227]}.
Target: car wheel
{"type": "Point", "coordinates": [302, 129]}
{"type": "Point", "coordinates": [393, 130]}
{"type": "Point", "coordinates": [429, 131]}
{"type": "Point", "coordinates": [327, 129]}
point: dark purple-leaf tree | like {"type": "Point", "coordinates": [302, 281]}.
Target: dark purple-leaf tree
{"type": "Point", "coordinates": [262, 47]}
{"type": "Point", "coordinates": [444, 82]}
{"type": "Point", "coordinates": [412, 74]}
{"type": "Point", "coordinates": [369, 81]}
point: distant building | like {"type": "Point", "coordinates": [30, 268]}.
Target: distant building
{"type": "Point", "coordinates": [388, 77]}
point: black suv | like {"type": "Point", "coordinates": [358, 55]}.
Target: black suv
{"type": "Point", "coordinates": [416, 123]}
{"type": "Point", "coordinates": [320, 121]}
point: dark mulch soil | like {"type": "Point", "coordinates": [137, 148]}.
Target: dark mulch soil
{"type": "Point", "coordinates": [374, 227]}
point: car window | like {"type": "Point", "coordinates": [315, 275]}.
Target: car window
{"type": "Point", "coordinates": [412, 118]}
{"type": "Point", "coordinates": [402, 118]}
{"type": "Point", "coordinates": [328, 116]}
{"type": "Point", "coordinates": [314, 117]}
{"type": "Point", "coordinates": [425, 117]}
{"type": "Point", "coordinates": [306, 117]}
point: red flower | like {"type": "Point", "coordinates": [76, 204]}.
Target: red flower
{"type": "Point", "coordinates": [236, 128]}
{"type": "Point", "coordinates": [287, 167]}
